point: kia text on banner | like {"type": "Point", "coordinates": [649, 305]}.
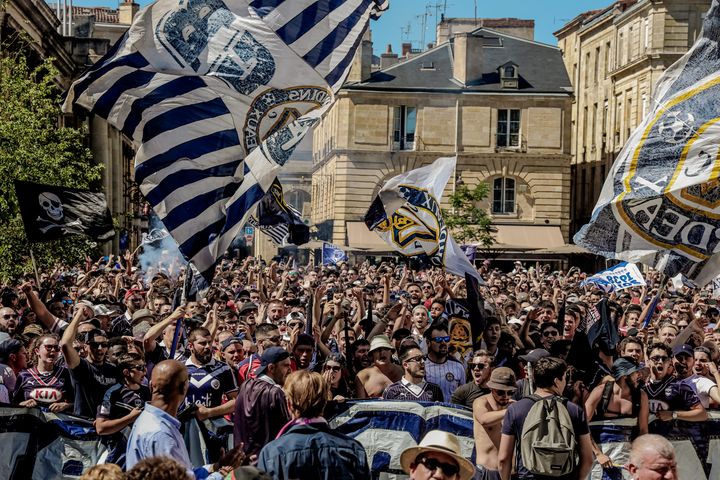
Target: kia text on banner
{"type": "Point", "coordinates": [216, 96]}
{"type": "Point", "coordinates": [621, 276]}
{"type": "Point", "coordinates": [660, 204]}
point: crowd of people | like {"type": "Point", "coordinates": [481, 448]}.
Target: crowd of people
{"type": "Point", "coordinates": [274, 349]}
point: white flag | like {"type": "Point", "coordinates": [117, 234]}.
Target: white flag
{"type": "Point", "coordinates": [406, 214]}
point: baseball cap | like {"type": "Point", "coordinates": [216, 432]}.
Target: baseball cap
{"type": "Point", "coordinates": [102, 311]}
{"type": "Point", "coordinates": [229, 341]}
{"type": "Point", "coordinates": [270, 356]}
{"type": "Point", "coordinates": [683, 349]}
{"type": "Point", "coordinates": [8, 347]}
{"type": "Point", "coordinates": [502, 378]}
{"type": "Point", "coordinates": [534, 355]}
{"type": "Point", "coordinates": [247, 307]}
{"type": "Point", "coordinates": [141, 313]}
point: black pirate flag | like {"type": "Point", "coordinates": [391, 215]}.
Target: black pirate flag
{"type": "Point", "coordinates": [50, 212]}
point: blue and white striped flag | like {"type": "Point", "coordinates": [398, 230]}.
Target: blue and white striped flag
{"type": "Point", "coordinates": [215, 96]}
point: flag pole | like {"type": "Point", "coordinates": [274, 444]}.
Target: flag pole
{"type": "Point", "coordinates": [34, 265]}
{"type": "Point", "coordinates": [187, 283]}
{"type": "Point", "coordinates": [655, 301]}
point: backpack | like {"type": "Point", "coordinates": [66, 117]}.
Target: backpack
{"type": "Point", "coordinates": [547, 444]}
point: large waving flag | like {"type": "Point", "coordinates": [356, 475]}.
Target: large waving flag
{"type": "Point", "coordinates": [215, 96]}
{"type": "Point", "coordinates": [660, 205]}
{"type": "Point", "coordinates": [279, 220]}
{"type": "Point", "coordinates": [406, 214]}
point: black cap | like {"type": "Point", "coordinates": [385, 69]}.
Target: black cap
{"type": "Point", "coordinates": [229, 341]}
{"type": "Point", "coordinates": [305, 339]}
{"type": "Point", "coordinates": [246, 307]}
{"type": "Point", "coordinates": [8, 347]}
{"type": "Point", "coordinates": [683, 349]}
{"type": "Point", "coordinates": [534, 355]}
{"type": "Point", "coordinates": [270, 356]}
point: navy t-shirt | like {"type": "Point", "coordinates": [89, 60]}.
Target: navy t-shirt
{"type": "Point", "coordinates": [91, 382]}
{"type": "Point", "coordinates": [513, 424]}
{"type": "Point", "coordinates": [209, 383]}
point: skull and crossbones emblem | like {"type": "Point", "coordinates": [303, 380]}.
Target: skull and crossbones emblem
{"type": "Point", "coordinates": [53, 208]}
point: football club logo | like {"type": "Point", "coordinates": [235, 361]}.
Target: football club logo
{"type": "Point", "coordinates": [200, 35]}
{"type": "Point", "coordinates": [669, 194]}
{"type": "Point", "coordinates": [417, 229]}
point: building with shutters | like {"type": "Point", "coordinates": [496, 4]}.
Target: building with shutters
{"type": "Point", "coordinates": [501, 103]}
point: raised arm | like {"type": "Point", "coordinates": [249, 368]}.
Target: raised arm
{"type": "Point", "coordinates": [72, 357]}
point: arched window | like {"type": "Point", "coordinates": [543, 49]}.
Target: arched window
{"type": "Point", "coordinates": [509, 71]}
{"type": "Point", "coordinates": [503, 196]}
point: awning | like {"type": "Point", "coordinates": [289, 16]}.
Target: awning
{"type": "Point", "coordinates": [528, 237]}
{"type": "Point", "coordinates": [360, 238]}
{"type": "Point", "coordinates": [568, 249]}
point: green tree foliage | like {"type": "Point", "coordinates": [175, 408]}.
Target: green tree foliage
{"type": "Point", "coordinates": [468, 222]}
{"type": "Point", "coordinates": [34, 147]}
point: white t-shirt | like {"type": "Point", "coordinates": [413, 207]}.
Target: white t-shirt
{"type": "Point", "coordinates": [701, 386]}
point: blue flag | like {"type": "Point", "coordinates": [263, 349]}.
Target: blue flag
{"type": "Point", "coordinates": [332, 254]}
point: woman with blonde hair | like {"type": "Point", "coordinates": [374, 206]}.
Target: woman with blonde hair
{"type": "Point", "coordinates": [307, 447]}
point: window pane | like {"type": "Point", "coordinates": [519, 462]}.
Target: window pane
{"type": "Point", "coordinates": [397, 117]}
{"type": "Point", "coordinates": [514, 140]}
{"type": "Point", "coordinates": [515, 115]}
{"type": "Point", "coordinates": [410, 115]}
{"type": "Point", "coordinates": [509, 72]}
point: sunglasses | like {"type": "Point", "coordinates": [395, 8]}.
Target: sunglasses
{"type": "Point", "coordinates": [659, 359]}
{"type": "Point", "coordinates": [295, 324]}
{"type": "Point", "coordinates": [445, 339]}
{"type": "Point", "coordinates": [420, 359]}
{"type": "Point", "coordinates": [98, 344]}
{"type": "Point", "coordinates": [9, 316]}
{"type": "Point", "coordinates": [550, 333]}
{"type": "Point", "coordinates": [52, 348]}
{"type": "Point", "coordinates": [275, 339]}
{"type": "Point", "coordinates": [334, 368]}
{"type": "Point", "coordinates": [67, 302]}
{"type": "Point", "coordinates": [504, 393]}
{"type": "Point", "coordinates": [432, 464]}
{"type": "Point", "coordinates": [139, 368]}
{"type": "Point", "coordinates": [478, 366]}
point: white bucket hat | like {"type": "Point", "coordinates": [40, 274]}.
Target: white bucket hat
{"type": "Point", "coordinates": [380, 341]}
{"type": "Point", "coordinates": [440, 442]}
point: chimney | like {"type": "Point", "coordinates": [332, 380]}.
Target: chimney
{"type": "Point", "coordinates": [406, 50]}
{"type": "Point", "coordinates": [127, 12]}
{"type": "Point", "coordinates": [467, 64]}
{"type": "Point", "coordinates": [388, 59]}
{"type": "Point", "coordinates": [362, 62]}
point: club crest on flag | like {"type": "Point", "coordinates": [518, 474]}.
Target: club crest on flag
{"type": "Point", "coordinates": [661, 202]}
{"type": "Point", "coordinates": [417, 228]}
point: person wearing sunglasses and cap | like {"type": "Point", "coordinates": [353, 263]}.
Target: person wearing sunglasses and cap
{"type": "Point", "coordinates": [441, 368]}
{"type": "Point", "coordinates": [438, 456]}
{"type": "Point", "coordinates": [412, 386]}
{"type": "Point", "coordinates": [121, 405]}
{"type": "Point", "coordinates": [488, 413]}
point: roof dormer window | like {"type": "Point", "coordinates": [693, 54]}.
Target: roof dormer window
{"type": "Point", "coordinates": [509, 75]}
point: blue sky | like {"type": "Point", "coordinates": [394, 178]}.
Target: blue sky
{"type": "Point", "coordinates": [549, 15]}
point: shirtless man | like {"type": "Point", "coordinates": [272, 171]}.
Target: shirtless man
{"type": "Point", "coordinates": [372, 381]}
{"type": "Point", "coordinates": [488, 413]}
{"type": "Point", "coordinates": [627, 399]}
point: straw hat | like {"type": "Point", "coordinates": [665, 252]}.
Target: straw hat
{"type": "Point", "coordinates": [441, 442]}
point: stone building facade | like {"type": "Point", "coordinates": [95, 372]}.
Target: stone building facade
{"type": "Point", "coordinates": [500, 103]}
{"type": "Point", "coordinates": [614, 57]}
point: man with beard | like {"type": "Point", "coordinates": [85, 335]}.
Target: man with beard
{"type": "Point", "coordinates": [669, 398]}
{"type": "Point", "coordinates": [480, 367]}
{"type": "Point", "coordinates": [360, 353]}
{"type": "Point", "coordinates": [372, 381]}
{"type": "Point", "coordinates": [91, 377]}
{"type": "Point", "coordinates": [622, 397]}
{"type": "Point", "coordinates": [412, 386]}
{"type": "Point", "coordinates": [442, 369]}
{"type": "Point", "coordinates": [210, 380]}
{"type": "Point", "coordinates": [8, 320]}
{"type": "Point", "coordinates": [488, 413]}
